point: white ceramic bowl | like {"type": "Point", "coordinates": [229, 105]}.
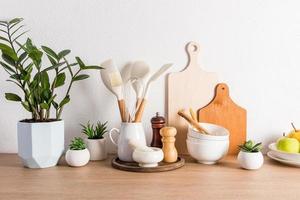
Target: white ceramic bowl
{"type": "Point", "coordinates": [216, 132]}
{"type": "Point", "coordinates": [148, 158]}
{"type": "Point", "coordinates": [284, 155]}
{"type": "Point", "coordinates": [207, 151]}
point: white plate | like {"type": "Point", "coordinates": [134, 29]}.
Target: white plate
{"type": "Point", "coordinates": [284, 155]}
{"type": "Point", "coordinates": [271, 155]}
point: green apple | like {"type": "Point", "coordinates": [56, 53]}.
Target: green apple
{"type": "Point", "coordinates": [290, 145]}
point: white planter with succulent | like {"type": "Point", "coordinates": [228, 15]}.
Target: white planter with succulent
{"type": "Point", "coordinates": [77, 154]}
{"type": "Point", "coordinates": [250, 156]}
{"type": "Point", "coordinates": [95, 141]}
{"type": "Point", "coordinates": [40, 138]}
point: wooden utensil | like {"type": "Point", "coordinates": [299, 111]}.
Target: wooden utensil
{"type": "Point", "coordinates": [193, 115]}
{"type": "Point", "coordinates": [224, 112]}
{"type": "Point", "coordinates": [155, 76]}
{"type": "Point", "coordinates": [113, 81]}
{"type": "Point", "coordinates": [192, 87]}
{"type": "Point", "coordinates": [140, 72]}
{"type": "Point", "coordinates": [192, 122]}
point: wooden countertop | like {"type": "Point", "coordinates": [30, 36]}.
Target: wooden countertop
{"type": "Point", "coordinates": [98, 180]}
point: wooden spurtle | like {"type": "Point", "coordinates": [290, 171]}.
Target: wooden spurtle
{"type": "Point", "coordinates": [191, 121]}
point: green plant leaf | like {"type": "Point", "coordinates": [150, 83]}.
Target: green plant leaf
{"type": "Point", "coordinates": [15, 20]}
{"type": "Point", "coordinates": [77, 144]}
{"type": "Point", "coordinates": [12, 97]}
{"type": "Point", "coordinates": [93, 67]}
{"type": "Point", "coordinates": [7, 67]}
{"type": "Point", "coordinates": [52, 60]}
{"type": "Point", "coordinates": [51, 100]}
{"type": "Point", "coordinates": [80, 77]}
{"type": "Point", "coordinates": [80, 63]}
{"type": "Point", "coordinates": [26, 106]}
{"type": "Point", "coordinates": [36, 56]}
{"type": "Point", "coordinates": [53, 66]}
{"type": "Point", "coordinates": [22, 57]}
{"type": "Point", "coordinates": [8, 51]}
{"type": "Point", "coordinates": [63, 53]}
{"type": "Point", "coordinates": [44, 106]}
{"type": "Point", "coordinates": [50, 52]}
{"type": "Point", "coordinates": [8, 59]}
{"type": "Point", "coordinates": [45, 80]}
{"type": "Point", "coordinates": [15, 76]}
{"type": "Point", "coordinates": [60, 80]}
{"type": "Point", "coordinates": [64, 101]}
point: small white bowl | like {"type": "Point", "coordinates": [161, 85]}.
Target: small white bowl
{"type": "Point", "coordinates": [148, 158]}
{"type": "Point", "coordinates": [284, 155]}
{"type": "Point", "coordinates": [207, 151]}
{"type": "Point", "coordinates": [216, 132]}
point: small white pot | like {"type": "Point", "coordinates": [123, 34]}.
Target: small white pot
{"type": "Point", "coordinates": [97, 148]}
{"type": "Point", "coordinates": [77, 158]}
{"type": "Point", "coordinates": [40, 144]}
{"type": "Point", "coordinates": [249, 160]}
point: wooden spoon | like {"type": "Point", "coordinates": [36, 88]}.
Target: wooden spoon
{"type": "Point", "coordinates": [192, 122]}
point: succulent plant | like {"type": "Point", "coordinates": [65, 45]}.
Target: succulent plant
{"type": "Point", "coordinates": [94, 131]}
{"type": "Point", "coordinates": [77, 144]}
{"type": "Point", "coordinates": [251, 147]}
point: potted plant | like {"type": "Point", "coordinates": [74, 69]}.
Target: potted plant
{"type": "Point", "coordinates": [96, 143]}
{"type": "Point", "coordinates": [41, 137]}
{"type": "Point", "coordinates": [250, 156]}
{"type": "Point", "coordinates": [77, 154]}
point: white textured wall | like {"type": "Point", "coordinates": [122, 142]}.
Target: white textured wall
{"type": "Point", "coordinates": [253, 45]}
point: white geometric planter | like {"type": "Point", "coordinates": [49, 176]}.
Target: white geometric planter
{"type": "Point", "coordinates": [97, 148]}
{"type": "Point", "coordinates": [40, 144]}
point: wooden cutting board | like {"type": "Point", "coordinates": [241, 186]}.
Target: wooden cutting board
{"type": "Point", "coordinates": [224, 112]}
{"type": "Point", "coordinates": [190, 88]}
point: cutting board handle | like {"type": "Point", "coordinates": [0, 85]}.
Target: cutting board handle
{"type": "Point", "coordinates": [222, 93]}
{"type": "Point", "coordinates": [192, 49]}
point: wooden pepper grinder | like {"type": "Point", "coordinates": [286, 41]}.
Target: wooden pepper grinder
{"type": "Point", "coordinates": [168, 140]}
{"type": "Point", "coordinates": [157, 122]}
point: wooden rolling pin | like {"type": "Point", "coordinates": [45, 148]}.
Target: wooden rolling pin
{"type": "Point", "coordinates": [191, 121]}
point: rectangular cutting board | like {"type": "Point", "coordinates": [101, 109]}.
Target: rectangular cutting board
{"type": "Point", "coordinates": [224, 112]}
{"type": "Point", "coordinates": [190, 88]}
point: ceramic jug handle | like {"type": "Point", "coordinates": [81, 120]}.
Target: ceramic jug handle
{"type": "Point", "coordinates": [110, 135]}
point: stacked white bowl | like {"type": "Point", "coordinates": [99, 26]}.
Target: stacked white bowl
{"type": "Point", "coordinates": [208, 149]}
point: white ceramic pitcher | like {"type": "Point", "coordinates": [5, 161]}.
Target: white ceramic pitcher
{"type": "Point", "coordinates": [127, 132]}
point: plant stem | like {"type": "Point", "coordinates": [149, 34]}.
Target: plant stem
{"type": "Point", "coordinates": [294, 127]}
{"type": "Point", "coordinates": [67, 93]}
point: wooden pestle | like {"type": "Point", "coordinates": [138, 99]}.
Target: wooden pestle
{"type": "Point", "coordinates": [194, 123]}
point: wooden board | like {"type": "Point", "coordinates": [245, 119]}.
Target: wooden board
{"type": "Point", "coordinates": [190, 88]}
{"type": "Point", "coordinates": [134, 167]}
{"type": "Point", "coordinates": [224, 112]}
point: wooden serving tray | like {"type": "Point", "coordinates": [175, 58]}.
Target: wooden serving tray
{"type": "Point", "coordinates": [134, 167]}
